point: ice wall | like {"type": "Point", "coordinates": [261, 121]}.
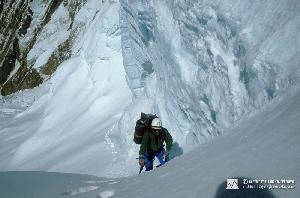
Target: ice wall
{"type": "Point", "coordinates": [204, 64]}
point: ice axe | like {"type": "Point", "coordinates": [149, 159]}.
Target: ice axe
{"type": "Point", "coordinates": [141, 167]}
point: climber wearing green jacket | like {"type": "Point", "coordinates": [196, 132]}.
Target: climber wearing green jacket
{"type": "Point", "coordinates": [152, 145]}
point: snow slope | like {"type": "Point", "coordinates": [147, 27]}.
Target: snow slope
{"type": "Point", "coordinates": [200, 65]}
{"type": "Point", "coordinates": [264, 145]}
{"type": "Point", "coordinates": [71, 117]}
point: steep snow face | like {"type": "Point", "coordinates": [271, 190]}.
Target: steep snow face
{"type": "Point", "coordinates": [203, 64]}
{"type": "Point", "coordinates": [69, 125]}
{"type": "Point", "coordinates": [199, 65]}
{"type": "Point", "coordinates": [261, 146]}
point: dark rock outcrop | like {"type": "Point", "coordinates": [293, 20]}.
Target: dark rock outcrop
{"type": "Point", "coordinates": [16, 72]}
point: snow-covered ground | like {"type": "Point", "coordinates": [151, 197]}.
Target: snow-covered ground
{"type": "Point", "coordinates": [264, 145]}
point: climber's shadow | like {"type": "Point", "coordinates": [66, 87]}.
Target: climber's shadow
{"type": "Point", "coordinates": [175, 151]}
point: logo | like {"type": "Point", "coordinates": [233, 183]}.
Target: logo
{"type": "Point", "coordinates": [246, 183]}
{"type": "Point", "coordinates": [232, 184]}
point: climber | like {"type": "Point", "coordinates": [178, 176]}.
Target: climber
{"type": "Point", "coordinates": [152, 144]}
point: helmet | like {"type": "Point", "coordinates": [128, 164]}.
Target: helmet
{"type": "Point", "coordinates": [156, 123]}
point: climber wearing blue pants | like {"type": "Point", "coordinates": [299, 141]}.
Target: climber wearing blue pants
{"type": "Point", "coordinates": [153, 145]}
{"type": "Point", "coordinates": [149, 158]}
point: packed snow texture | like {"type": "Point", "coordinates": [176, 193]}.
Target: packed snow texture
{"type": "Point", "coordinates": [199, 65]}
{"type": "Point", "coordinates": [263, 145]}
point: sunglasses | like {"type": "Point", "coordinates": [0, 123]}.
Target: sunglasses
{"type": "Point", "coordinates": [156, 130]}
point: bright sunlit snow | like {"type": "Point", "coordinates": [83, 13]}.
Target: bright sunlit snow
{"type": "Point", "coordinates": [264, 145]}
{"type": "Point", "coordinates": [71, 121]}
{"type": "Point", "coordinates": [206, 68]}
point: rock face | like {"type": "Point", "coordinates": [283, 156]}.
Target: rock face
{"type": "Point", "coordinates": [25, 26]}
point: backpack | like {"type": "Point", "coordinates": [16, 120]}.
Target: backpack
{"type": "Point", "coordinates": [141, 126]}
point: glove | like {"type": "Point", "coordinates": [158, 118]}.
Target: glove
{"type": "Point", "coordinates": [145, 120]}
{"type": "Point", "coordinates": [166, 156]}
{"type": "Point", "coordinates": [143, 123]}
{"type": "Point", "coordinates": [142, 160]}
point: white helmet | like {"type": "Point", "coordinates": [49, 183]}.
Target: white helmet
{"type": "Point", "coordinates": [156, 123]}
